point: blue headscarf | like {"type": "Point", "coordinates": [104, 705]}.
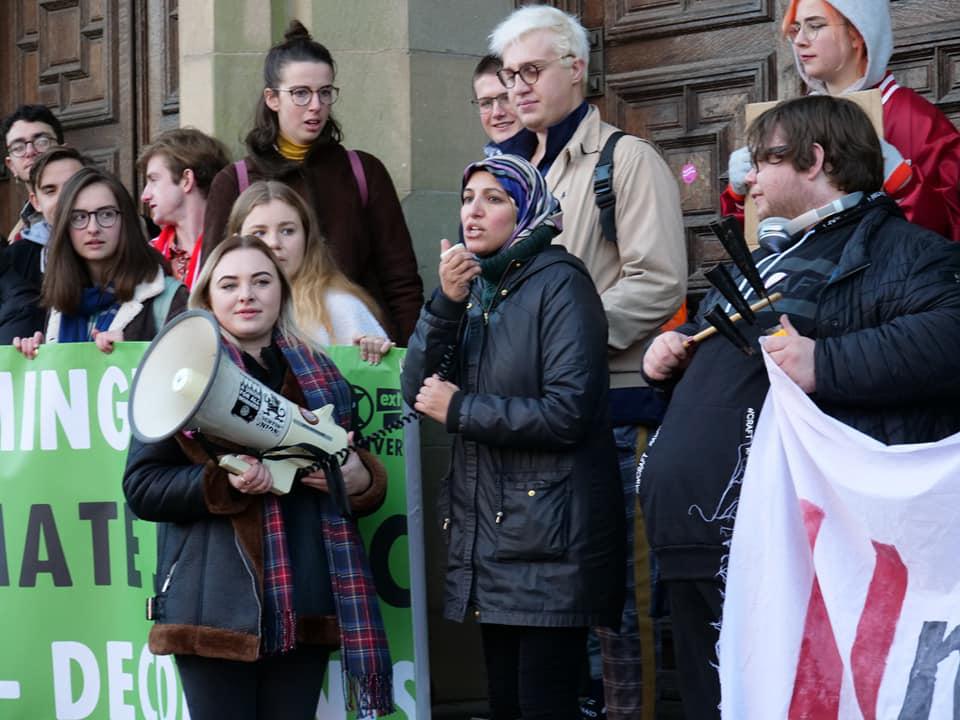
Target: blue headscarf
{"type": "Point", "coordinates": [536, 206]}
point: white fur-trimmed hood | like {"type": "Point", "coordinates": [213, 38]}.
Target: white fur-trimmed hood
{"type": "Point", "coordinates": [126, 312]}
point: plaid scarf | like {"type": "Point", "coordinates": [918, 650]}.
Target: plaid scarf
{"type": "Point", "coordinates": [364, 654]}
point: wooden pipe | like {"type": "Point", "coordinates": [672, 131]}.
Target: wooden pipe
{"type": "Point", "coordinates": [710, 331]}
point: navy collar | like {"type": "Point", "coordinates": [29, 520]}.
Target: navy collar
{"type": "Point", "coordinates": [524, 143]}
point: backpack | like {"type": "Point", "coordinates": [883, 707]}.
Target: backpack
{"type": "Point", "coordinates": [606, 200]}
{"type": "Point", "coordinates": [603, 193]}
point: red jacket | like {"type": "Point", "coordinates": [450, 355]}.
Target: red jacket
{"type": "Point", "coordinates": [931, 143]}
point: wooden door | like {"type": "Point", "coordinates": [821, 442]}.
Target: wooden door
{"type": "Point", "coordinates": [679, 72]}
{"type": "Point", "coordinates": [107, 68]}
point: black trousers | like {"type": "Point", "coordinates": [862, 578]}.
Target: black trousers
{"type": "Point", "coordinates": [281, 687]}
{"type": "Point", "coordinates": [695, 611]}
{"type": "Point", "coordinates": [533, 672]}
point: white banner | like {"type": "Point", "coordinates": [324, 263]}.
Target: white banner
{"type": "Point", "coordinates": [843, 586]}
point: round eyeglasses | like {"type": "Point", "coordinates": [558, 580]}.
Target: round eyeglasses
{"type": "Point", "coordinates": [106, 217]}
{"type": "Point", "coordinates": [809, 28]}
{"type": "Point", "coordinates": [40, 143]}
{"type": "Point", "coordinates": [529, 73]}
{"type": "Point", "coordinates": [302, 96]}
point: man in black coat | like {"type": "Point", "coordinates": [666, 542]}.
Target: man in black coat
{"type": "Point", "coordinates": [871, 331]}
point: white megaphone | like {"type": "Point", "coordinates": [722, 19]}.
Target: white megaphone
{"type": "Point", "coordinates": [186, 380]}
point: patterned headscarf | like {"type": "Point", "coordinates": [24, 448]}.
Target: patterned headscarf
{"type": "Point", "coordinates": [536, 206]}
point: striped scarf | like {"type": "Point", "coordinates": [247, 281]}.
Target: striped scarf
{"type": "Point", "coordinates": [364, 654]}
{"type": "Point", "coordinates": [536, 206]}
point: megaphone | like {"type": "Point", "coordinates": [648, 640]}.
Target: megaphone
{"type": "Point", "coordinates": [186, 380]}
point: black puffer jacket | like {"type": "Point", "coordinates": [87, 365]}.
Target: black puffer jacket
{"type": "Point", "coordinates": [886, 320]}
{"type": "Point", "coordinates": [532, 506]}
{"type": "Point", "coordinates": [888, 331]}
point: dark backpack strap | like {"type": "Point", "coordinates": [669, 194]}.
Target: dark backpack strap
{"type": "Point", "coordinates": [243, 179]}
{"type": "Point", "coordinates": [358, 175]}
{"type": "Point", "coordinates": [603, 188]}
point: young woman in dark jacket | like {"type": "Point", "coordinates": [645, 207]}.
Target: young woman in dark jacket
{"type": "Point", "coordinates": [296, 140]}
{"type": "Point", "coordinates": [103, 282]}
{"type": "Point", "coordinates": [510, 354]}
{"type": "Point", "coordinates": [254, 590]}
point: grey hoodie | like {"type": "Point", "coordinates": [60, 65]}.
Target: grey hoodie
{"type": "Point", "coordinates": [871, 18]}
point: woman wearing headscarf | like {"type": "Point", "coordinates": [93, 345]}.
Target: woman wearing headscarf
{"type": "Point", "coordinates": [844, 46]}
{"type": "Point", "coordinates": [510, 355]}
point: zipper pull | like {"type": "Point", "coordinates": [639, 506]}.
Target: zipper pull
{"type": "Point", "coordinates": [446, 523]}
{"type": "Point", "coordinates": [166, 581]}
{"type": "Point", "coordinates": [499, 516]}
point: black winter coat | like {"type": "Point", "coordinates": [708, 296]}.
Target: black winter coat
{"type": "Point", "coordinates": [20, 311]}
{"type": "Point", "coordinates": [532, 506]}
{"type": "Point", "coordinates": [210, 556]}
{"type": "Point", "coordinates": [886, 322]}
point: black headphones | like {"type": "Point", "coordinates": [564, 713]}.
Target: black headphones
{"type": "Point", "coordinates": [778, 234]}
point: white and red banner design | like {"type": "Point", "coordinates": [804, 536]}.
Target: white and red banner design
{"type": "Point", "coordinates": [843, 583]}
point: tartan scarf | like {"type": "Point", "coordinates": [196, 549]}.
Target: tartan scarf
{"type": "Point", "coordinates": [364, 653]}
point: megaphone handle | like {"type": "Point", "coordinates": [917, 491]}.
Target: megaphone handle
{"type": "Point", "coordinates": [233, 463]}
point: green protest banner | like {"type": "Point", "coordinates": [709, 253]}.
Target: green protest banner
{"type": "Point", "coordinates": [76, 566]}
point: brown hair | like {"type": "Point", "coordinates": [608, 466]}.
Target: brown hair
{"type": "Point", "coordinates": [852, 157]}
{"type": "Point", "coordinates": [319, 272]}
{"type": "Point", "coordinates": [188, 149]}
{"type": "Point", "coordinates": [56, 154]}
{"type": "Point", "coordinates": [200, 293]}
{"type": "Point", "coordinates": [134, 262]}
{"type": "Point", "coordinates": [488, 65]}
{"type": "Point", "coordinates": [297, 46]}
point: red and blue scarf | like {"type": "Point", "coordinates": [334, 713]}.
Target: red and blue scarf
{"type": "Point", "coordinates": [364, 653]}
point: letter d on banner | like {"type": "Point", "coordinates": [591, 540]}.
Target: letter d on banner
{"type": "Point", "coordinates": [63, 655]}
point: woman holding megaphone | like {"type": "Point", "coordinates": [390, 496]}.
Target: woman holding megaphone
{"type": "Point", "coordinates": [102, 282]}
{"type": "Point", "coordinates": [255, 590]}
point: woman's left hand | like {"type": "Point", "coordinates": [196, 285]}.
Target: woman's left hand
{"type": "Point", "coordinates": [105, 339]}
{"type": "Point", "coordinates": [373, 347]}
{"type": "Point", "coordinates": [356, 477]}
{"type": "Point", "coordinates": [433, 400]}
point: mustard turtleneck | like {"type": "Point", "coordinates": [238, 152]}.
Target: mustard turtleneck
{"type": "Point", "coordinates": [291, 150]}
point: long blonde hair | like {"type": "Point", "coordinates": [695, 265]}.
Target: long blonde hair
{"type": "Point", "coordinates": [286, 321]}
{"type": "Point", "coordinates": [318, 273]}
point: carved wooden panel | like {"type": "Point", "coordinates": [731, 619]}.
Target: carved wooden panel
{"type": "Point", "coordinates": [159, 68]}
{"type": "Point", "coordinates": [635, 19]}
{"type": "Point", "coordinates": [87, 60]}
{"type": "Point", "coordinates": [928, 61]}
{"type": "Point", "coordinates": [74, 42]}
{"type": "Point", "coordinates": [693, 112]}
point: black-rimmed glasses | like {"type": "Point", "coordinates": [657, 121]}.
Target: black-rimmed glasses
{"type": "Point", "coordinates": [529, 73]}
{"type": "Point", "coordinates": [40, 143]}
{"type": "Point", "coordinates": [106, 217]}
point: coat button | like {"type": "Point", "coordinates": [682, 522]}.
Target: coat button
{"type": "Point", "coordinates": [531, 493]}
{"type": "Point", "coordinates": [476, 614]}
{"type": "Point", "coordinates": [503, 292]}
{"type": "Point", "coordinates": [469, 305]}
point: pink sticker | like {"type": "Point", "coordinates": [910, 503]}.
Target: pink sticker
{"type": "Point", "coordinates": [688, 173]}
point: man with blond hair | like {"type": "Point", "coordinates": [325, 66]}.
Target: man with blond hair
{"type": "Point", "coordinates": [634, 251]}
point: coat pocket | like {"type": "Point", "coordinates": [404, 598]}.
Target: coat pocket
{"type": "Point", "coordinates": [534, 519]}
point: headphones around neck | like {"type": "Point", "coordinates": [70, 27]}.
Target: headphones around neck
{"type": "Point", "coordinates": [778, 234]}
